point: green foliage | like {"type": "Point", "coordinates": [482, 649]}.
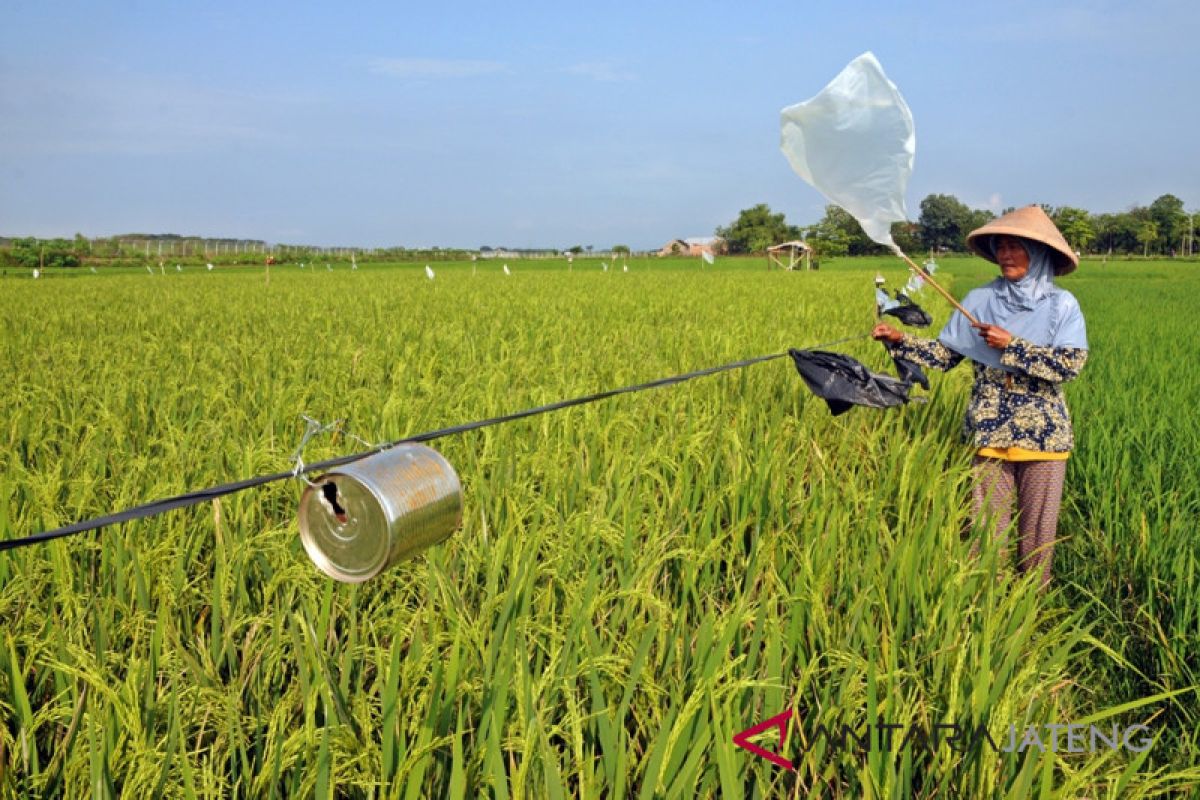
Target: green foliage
{"type": "Point", "coordinates": [945, 222]}
{"type": "Point", "coordinates": [29, 253]}
{"type": "Point", "coordinates": [839, 234]}
{"type": "Point", "coordinates": [1171, 220]}
{"type": "Point", "coordinates": [907, 236]}
{"type": "Point", "coordinates": [1147, 234]}
{"type": "Point", "coordinates": [1075, 224]}
{"type": "Point", "coordinates": [756, 229]}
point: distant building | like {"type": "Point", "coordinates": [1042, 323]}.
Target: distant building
{"type": "Point", "coordinates": [694, 246]}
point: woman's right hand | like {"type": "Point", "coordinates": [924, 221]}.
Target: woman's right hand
{"type": "Point", "coordinates": [886, 333]}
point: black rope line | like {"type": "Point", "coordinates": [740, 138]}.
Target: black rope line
{"type": "Point", "coordinates": [203, 495]}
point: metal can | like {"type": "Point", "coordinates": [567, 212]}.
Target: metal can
{"type": "Point", "coordinates": [366, 516]}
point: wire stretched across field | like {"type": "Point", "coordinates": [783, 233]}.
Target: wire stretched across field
{"type": "Point", "coordinates": [198, 496]}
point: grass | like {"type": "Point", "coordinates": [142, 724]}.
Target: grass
{"type": "Point", "coordinates": [635, 581]}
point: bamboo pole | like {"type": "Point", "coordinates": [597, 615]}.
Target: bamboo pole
{"type": "Point", "coordinates": [913, 266]}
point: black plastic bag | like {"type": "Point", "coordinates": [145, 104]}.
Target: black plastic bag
{"type": "Point", "coordinates": [843, 382]}
{"type": "Point", "coordinates": [910, 372]}
{"type": "Point", "coordinates": [909, 312]}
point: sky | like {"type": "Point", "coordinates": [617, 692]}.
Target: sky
{"type": "Point", "coordinates": [528, 124]}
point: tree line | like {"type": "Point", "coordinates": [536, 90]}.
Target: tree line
{"type": "Point", "coordinates": [1162, 228]}
{"type": "Point", "coordinates": [126, 250]}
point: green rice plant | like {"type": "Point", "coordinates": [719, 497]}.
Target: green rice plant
{"type": "Point", "coordinates": [635, 581]}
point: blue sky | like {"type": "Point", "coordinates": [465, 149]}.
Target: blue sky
{"type": "Point", "coordinates": [553, 124]}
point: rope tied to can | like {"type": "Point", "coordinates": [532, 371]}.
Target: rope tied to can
{"type": "Point", "coordinates": [313, 427]}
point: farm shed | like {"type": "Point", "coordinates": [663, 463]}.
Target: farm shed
{"type": "Point", "coordinates": [789, 255]}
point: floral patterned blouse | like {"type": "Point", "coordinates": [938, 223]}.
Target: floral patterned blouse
{"type": "Point", "coordinates": [1022, 409]}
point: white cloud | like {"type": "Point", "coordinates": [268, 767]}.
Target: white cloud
{"type": "Point", "coordinates": [603, 71]}
{"type": "Point", "coordinates": [434, 67]}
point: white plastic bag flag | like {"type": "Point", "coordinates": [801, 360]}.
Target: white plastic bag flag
{"type": "Point", "coordinates": [854, 142]}
{"type": "Point", "coordinates": [708, 258]}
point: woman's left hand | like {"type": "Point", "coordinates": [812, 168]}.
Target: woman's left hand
{"type": "Point", "coordinates": [994, 335]}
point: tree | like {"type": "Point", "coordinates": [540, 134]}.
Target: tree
{"type": "Point", "coordinates": [1147, 234]}
{"type": "Point", "coordinates": [944, 222]}
{"type": "Point", "coordinates": [1168, 214]}
{"type": "Point", "coordinates": [756, 229]}
{"type": "Point", "coordinates": [1118, 233]}
{"type": "Point", "coordinates": [829, 239]}
{"type": "Point", "coordinates": [29, 252]}
{"type": "Point", "coordinates": [620, 249]}
{"type": "Point", "coordinates": [838, 233]}
{"type": "Point", "coordinates": [976, 219]}
{"type": "Point", "coordinates": [907, 236]}
{"type": "Point", "coordinates": [1075, 224]}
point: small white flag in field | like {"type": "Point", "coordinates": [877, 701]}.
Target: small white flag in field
{"type": "Point", "coordinates": [428, 272]}
{"type": "Point", "coordinates": [604, 266]}
{"type": "Point", "coordinates": [178, 268]}
{"type": "Point", "coordinates": [209, 265]}
{"type": "Point", "coordinates": [148, 269]}
{"type": "Point", "coordinates": [625, 268]}
{"type": "Point", "coordinates": [328, 268]}
{"type": "Point", "coordinates": [37, 273]}
{"type": "Point", "coordinates": [855, 143]}
{"type": "Point", "coordinates": [93, 269]}
{"type": "Point", "coordinates": [708, 257]}
{"type": "Point", "coordinates": [506, 270]}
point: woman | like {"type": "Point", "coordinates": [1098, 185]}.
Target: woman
{"type": "Point", "coordinates": [1030, 339]}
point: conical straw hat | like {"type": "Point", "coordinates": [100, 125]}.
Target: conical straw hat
{"type": "Point", "coordinates": [1030, 222]}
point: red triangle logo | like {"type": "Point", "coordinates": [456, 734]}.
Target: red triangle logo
{"type": "Point", "coordinates": [779, 721]}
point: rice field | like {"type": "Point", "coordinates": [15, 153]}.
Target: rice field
{"type": "Point", "coordinates": [635, 582]}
